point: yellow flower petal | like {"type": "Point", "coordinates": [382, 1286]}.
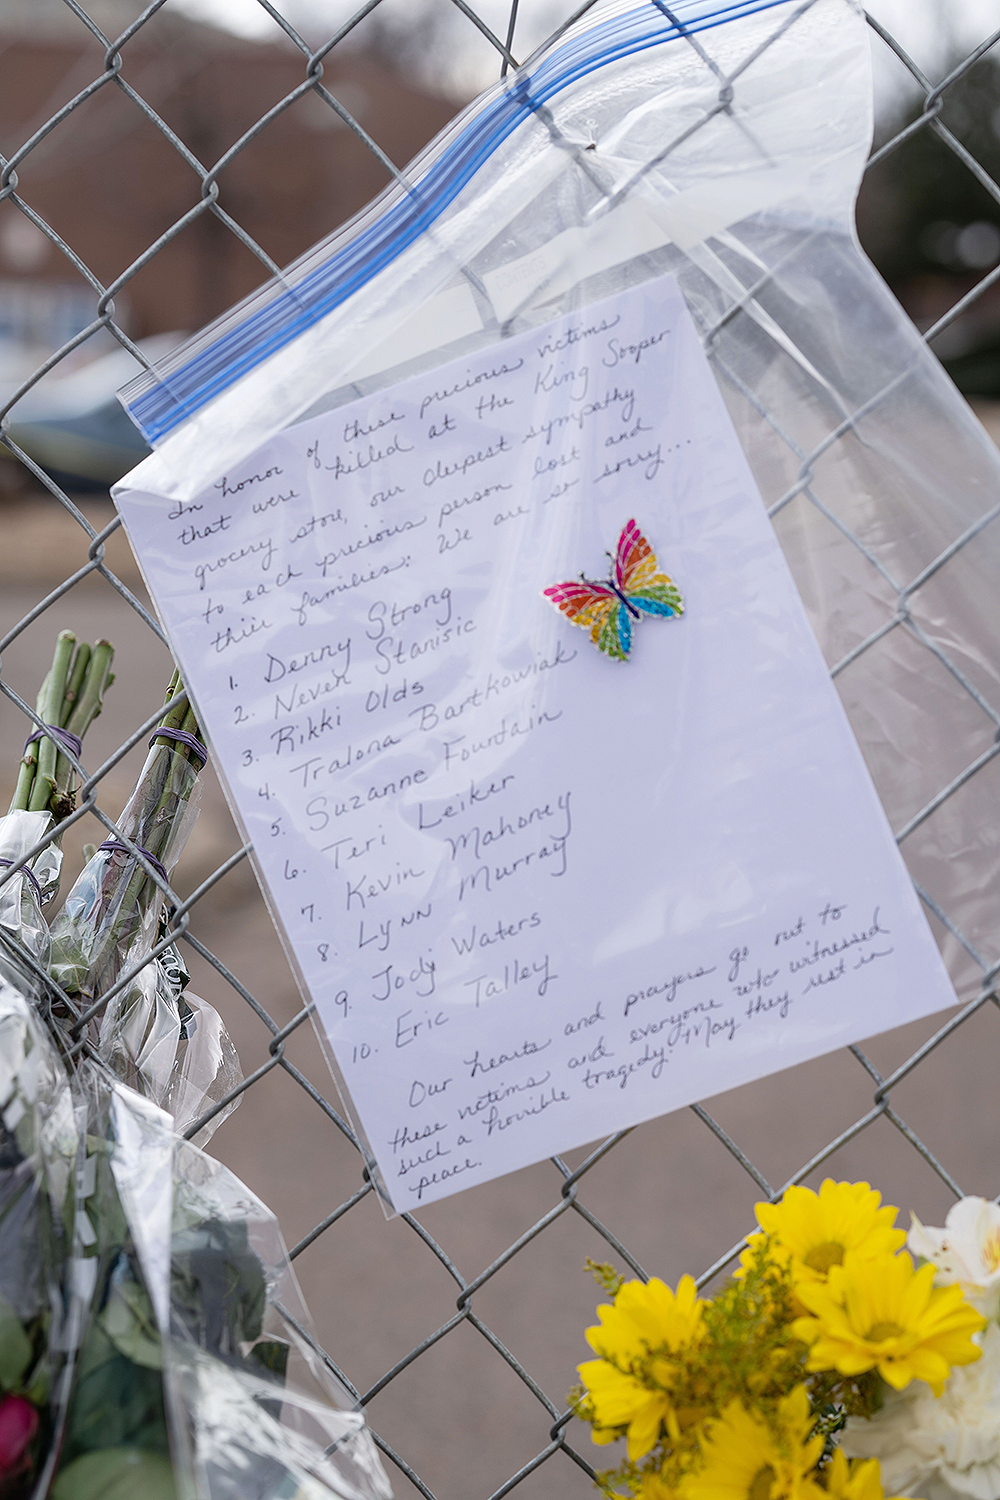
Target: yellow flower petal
{"type": "Point", "coordinates": [647, 1316]}
{"type": "Point", "coordinates": [747, 1458]}
{"type": "Point", "coordinates": [882, 1314]}
{"type": "Point", "coordinates": [816, 1230]}
{"type": "Point", "coordinates": [620, 1401]}
{"type": "Point", "coordinates": [861, 1480]}
{"type": "Point", "coordinates": [629, 1385]}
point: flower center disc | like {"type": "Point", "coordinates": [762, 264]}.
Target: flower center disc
{"type": "Point", "coordinates": [822, 1257]}
{"type": "Point", "coordinates": [879, 1332]}
{"type": "Point", "coordinates": [760, 1484]}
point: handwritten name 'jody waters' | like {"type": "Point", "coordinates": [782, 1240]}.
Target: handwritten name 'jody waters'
{"type": "Point", "coordinates": [536, 893]}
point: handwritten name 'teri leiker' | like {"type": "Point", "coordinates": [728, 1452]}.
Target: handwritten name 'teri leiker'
{"type": "Point", "coordinates": [321, 809]}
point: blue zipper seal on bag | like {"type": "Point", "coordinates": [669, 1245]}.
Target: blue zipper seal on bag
{"type": "Point", "coordinates": [160, 402]}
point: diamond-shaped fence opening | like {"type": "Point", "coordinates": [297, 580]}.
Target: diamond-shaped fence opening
{"type": "Point", "coordinates": [156, 170]}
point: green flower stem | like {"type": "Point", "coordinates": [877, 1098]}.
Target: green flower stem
{"type": "Point", "coordinates": [97, 681]}
{"type": "Point", "coordinates": [80, 663]}
{"type": "Point", "coordinates": [50, 708]}
{"type": "Point", "coordinates": [25, 777]}
{"type": "Point", "coordinates": [29, 760]}
{"type": "Point", "coordinates": [174, 717]}
{"type": "Point", "coordinates": [70, 697]}
{"type": "Point", "coordinates": [83, 702]}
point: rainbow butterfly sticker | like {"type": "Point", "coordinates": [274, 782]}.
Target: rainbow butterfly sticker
{"type": "Point", "coordinates": [635, 587]}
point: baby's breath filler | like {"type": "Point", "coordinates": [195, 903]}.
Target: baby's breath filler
{"type": "Point", "coordinates": [743, 1396]}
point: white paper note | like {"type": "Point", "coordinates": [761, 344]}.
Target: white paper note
{"type": "Point", "coordinates": [537, 894]}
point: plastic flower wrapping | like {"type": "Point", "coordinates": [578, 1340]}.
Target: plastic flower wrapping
{"type": "Point", "coordinates": [153, 1340]}
{"type": "Point", "coordinates": [831, 1364]}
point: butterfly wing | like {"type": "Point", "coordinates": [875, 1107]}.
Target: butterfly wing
{"type": "Point", "coordinates": [595, 608]}
{"type": "Point", "coordinates": [615, 638]}
{"type": "Point", "coordinates": [638, 575]}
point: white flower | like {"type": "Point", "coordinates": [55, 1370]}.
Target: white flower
{"type": "Point", "coordinates": [938, 1447]}
{"type": "Point", "coordinates": [966, 1250]}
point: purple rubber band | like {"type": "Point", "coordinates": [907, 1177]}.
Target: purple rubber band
{"type": "Point", "coordinates": [23, 870]}
{"type": "Point", "coordinates": [62, 737]}
{"type": "Point", "coordinates": [182, 736]}
{"type": "Point", "coordinates": [114, 845]}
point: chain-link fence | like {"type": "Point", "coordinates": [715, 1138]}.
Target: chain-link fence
{"type": "Point", "coordinates": [458, 1330]}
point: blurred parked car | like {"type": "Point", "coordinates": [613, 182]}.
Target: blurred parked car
{"type": "Point", "coordinates": [73, 425]}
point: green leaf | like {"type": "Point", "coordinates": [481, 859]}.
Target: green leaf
{"type": "Point", "coordinates": [218, 1286]}
{"type": "Point", "coordinates": [69, 967]}
{"type": "Point", "coordinates": [37, 1389]}
{"type": "Point", "coordinates": [15, 1347]}
{"type": "Point", "coordinates": [272, 1356]}
{"type": "Point", "coordinates": [129, 1323]}
{"type": "Point", "coordinates": [115, 1403]}
{"type": "Point", "coordinates": [37, 1385]}
{"type": "Point", "coordinates": [116, 1474]}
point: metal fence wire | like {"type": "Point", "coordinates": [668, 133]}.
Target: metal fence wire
{"type": "Point", "coordinates": [523, 1438]}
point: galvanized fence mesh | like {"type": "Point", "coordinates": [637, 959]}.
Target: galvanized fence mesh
{"type": "Point", "coordinates": [544, 1453]}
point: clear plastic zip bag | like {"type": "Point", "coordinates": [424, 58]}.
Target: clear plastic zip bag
{"type": "Point", "coordinates": [723, 144]}
{"type": "Point", "coordinates": [205, 1068]}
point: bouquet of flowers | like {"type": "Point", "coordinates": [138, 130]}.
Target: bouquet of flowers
{"type": "Point", "coordinates": [39, 1144]}
{"type": "Point", "coordinates": [190, 1372]}
{"type": "Point", "coordinates": [109, 920]}
{"type": "Point", "coordinates": [152, 1338]}
{"type": "Point", "coordinates": [168, 1044]}
{"type": "Point", "coordinates": [830, 1365]}
{"type": "Point", "coordinates": [69, 700]}
{"type": "Point", "coordinates": [947, 1446]}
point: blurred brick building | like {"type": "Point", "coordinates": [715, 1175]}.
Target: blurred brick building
{"type": "Point", "coordinates": [109, 183]}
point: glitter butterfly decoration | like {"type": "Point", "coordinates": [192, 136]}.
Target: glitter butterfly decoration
{"type": "Point", "coordinates": [635, 587]}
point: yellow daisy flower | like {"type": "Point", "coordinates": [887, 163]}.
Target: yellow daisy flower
{"type": "Point", "coordinates": [646, 1316]}
{"type": "Point", "coordinates": [861, 1480]}
{"type": "Point", "coordinates": [619, 1400]}
{"type": "Point", "coordinates": [629, 1384]}
{"type": "Point", "coordinates": [883, 1315]}
{"type": "Point", "coordinates": [816, 1230]}
{"type": "Point", "coordinates": [748, 1459]}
